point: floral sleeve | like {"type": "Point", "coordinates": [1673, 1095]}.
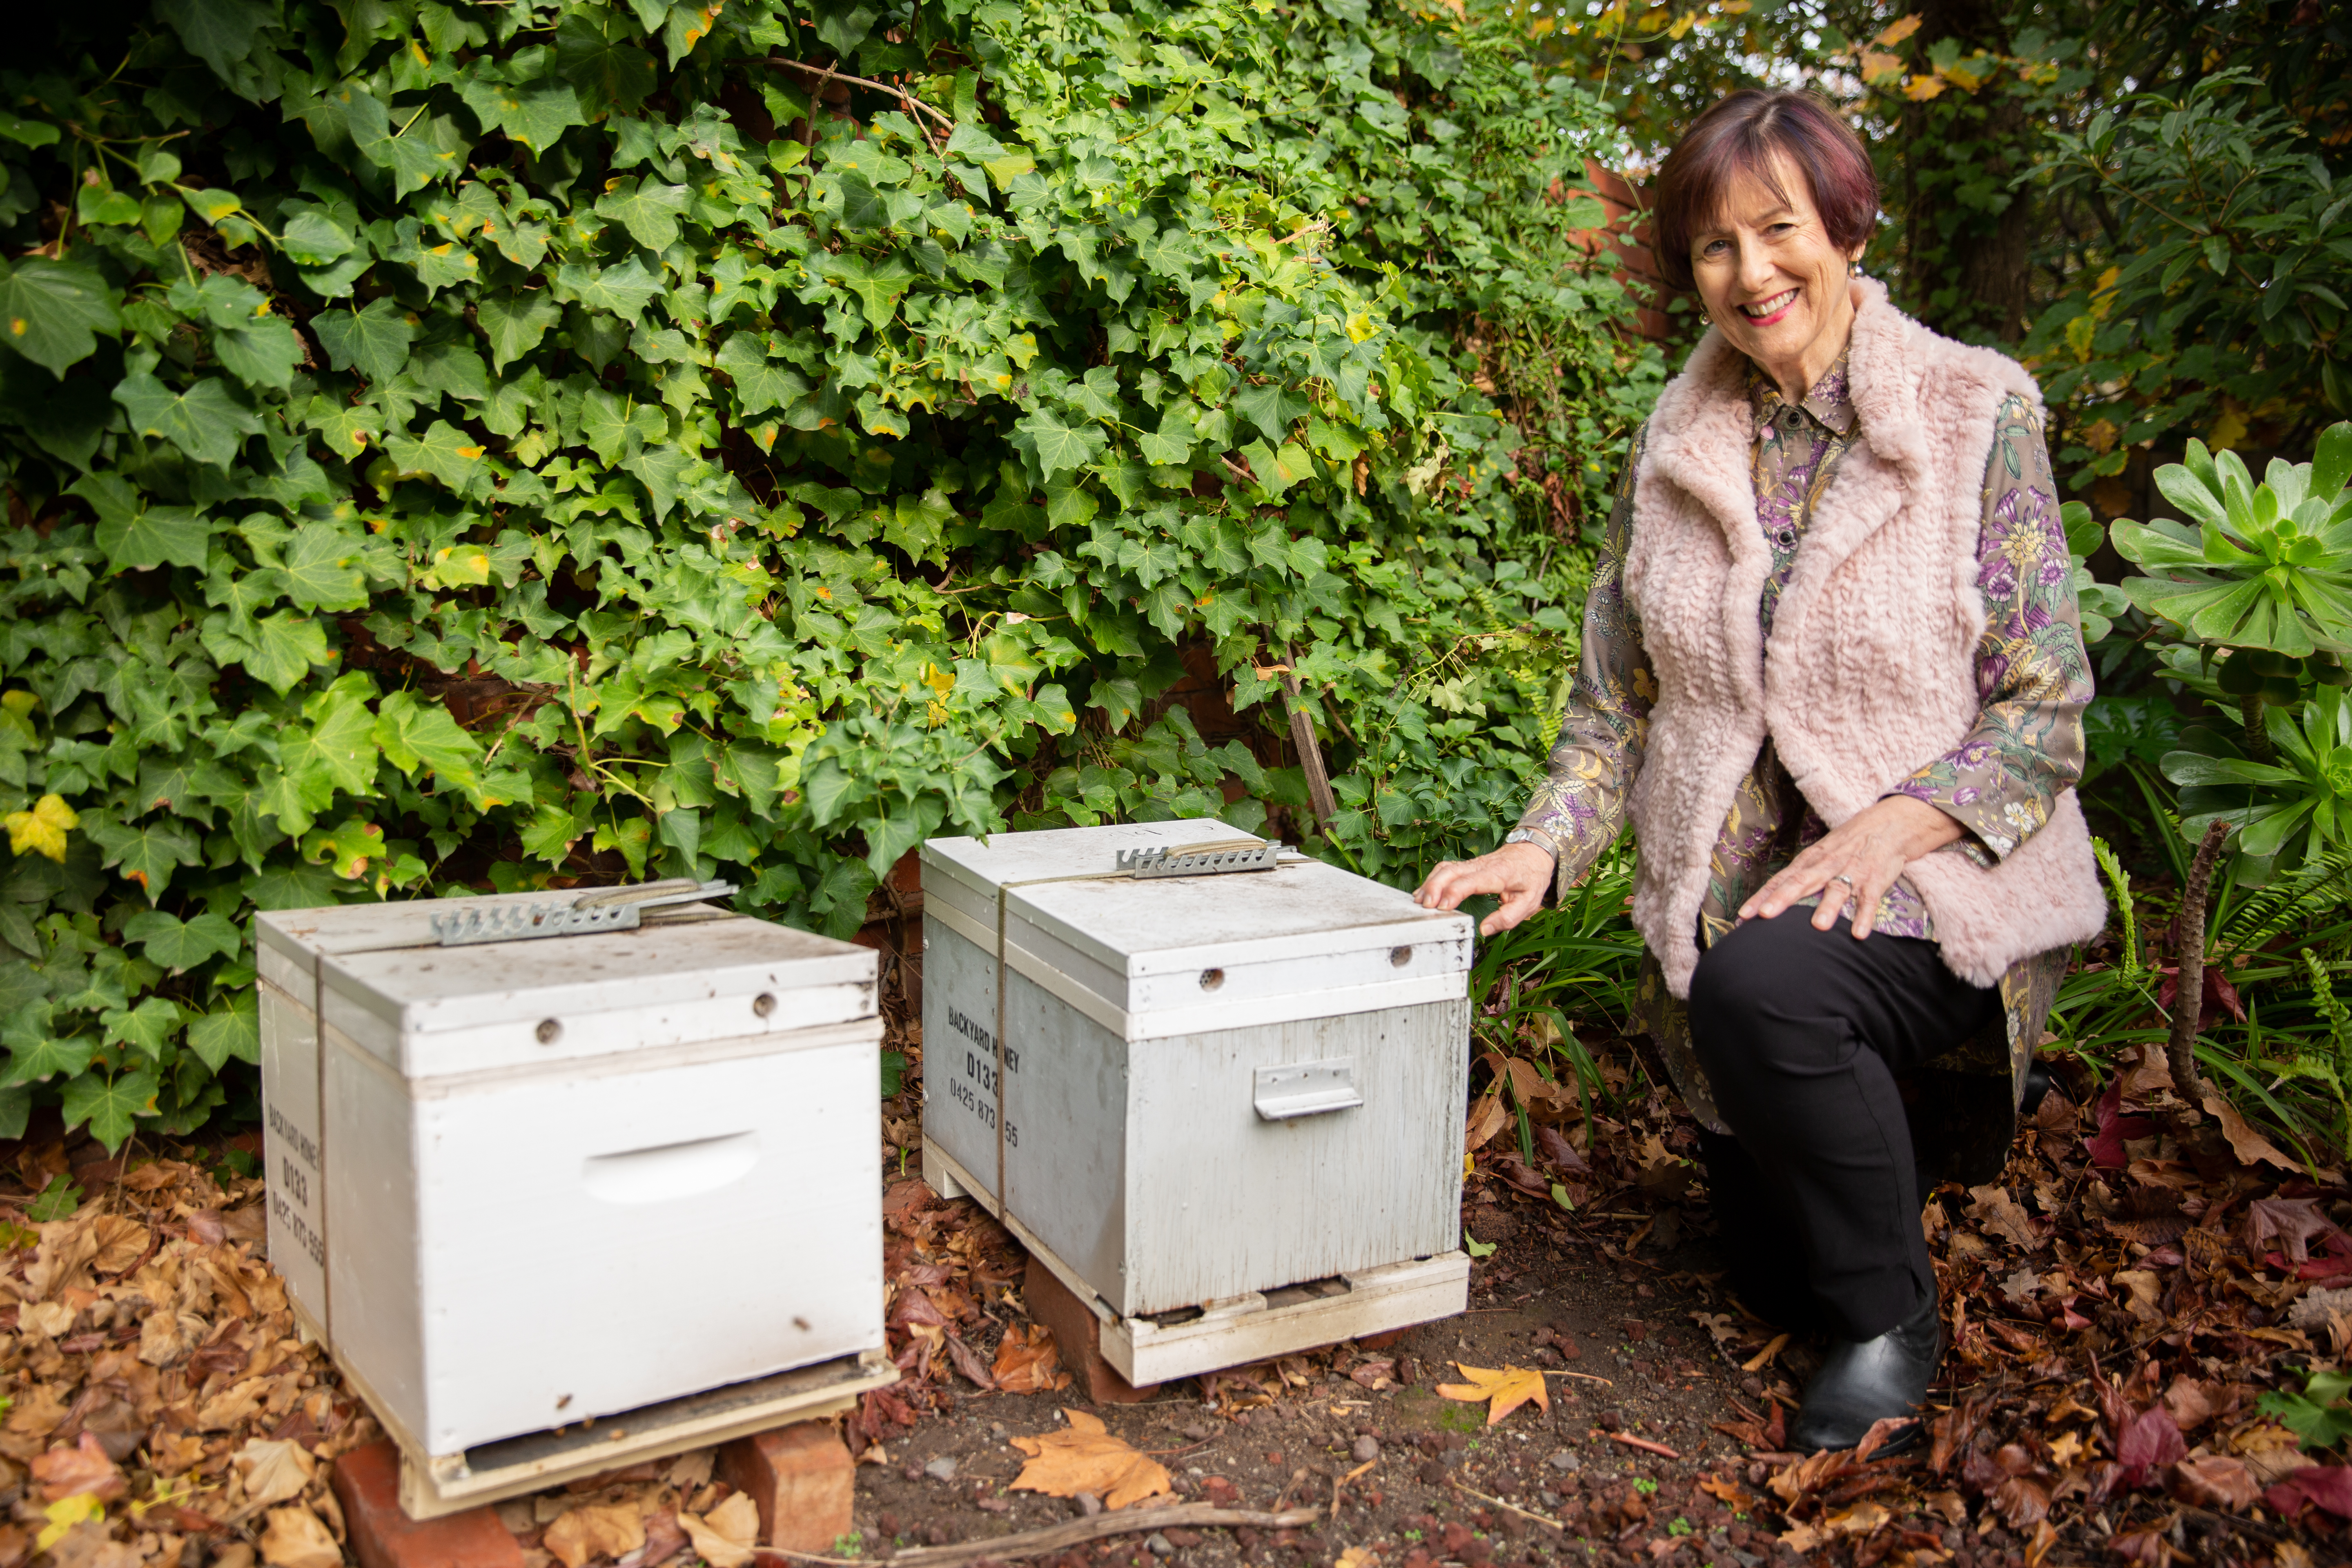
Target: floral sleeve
{"type": "Point", "coordinates": [1580, 805]}
{"type": "Point", "coordinates": [2032, 674]}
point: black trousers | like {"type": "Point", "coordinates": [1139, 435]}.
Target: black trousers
{"type": "Point", "coordinates": [1802, 1033]}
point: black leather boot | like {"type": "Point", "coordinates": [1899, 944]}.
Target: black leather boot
{"type": "Point", "coordinates": [1865, 1380]}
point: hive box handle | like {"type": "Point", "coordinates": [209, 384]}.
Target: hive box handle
{"type": "Point", "coordinates": [1306, 1088]}
{"type": "Point", "coordinates": [671, 1170]}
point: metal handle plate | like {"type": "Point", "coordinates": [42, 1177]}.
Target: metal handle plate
{"type": "Point", "coordinates": [1306, 1088]}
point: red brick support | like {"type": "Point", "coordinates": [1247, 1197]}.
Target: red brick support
{"type": "Point", "coordinates": [800, 1478]}
{"type": "Point", "coordinates": [1077, 1334]}
{"type": "Point", "coordinates": [367, 1483]}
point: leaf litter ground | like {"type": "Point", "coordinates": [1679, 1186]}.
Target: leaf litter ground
{"type": "Point", "coordinates": [2119, 1300]}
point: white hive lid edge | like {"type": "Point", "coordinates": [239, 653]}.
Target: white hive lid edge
{"type": "Point", "coordinates": [985, 865]}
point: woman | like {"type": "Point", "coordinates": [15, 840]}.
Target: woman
{"type": "Point", "coordinates": [1833, 671]}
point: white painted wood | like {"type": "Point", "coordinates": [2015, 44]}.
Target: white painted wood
{"type": "Point", "coordinates": [674, 1188]}
{"type": "Point", "coordinates": [1374, 1302]}
{"type": "Point", "coordinates": [445, 1484]}
{"type": "Point", "coordinates": [1253, 1326]}
{"type": "Point", "coordinates": [289, 1142]}
{"type": "Point", "coordinates": [1122, 1129]}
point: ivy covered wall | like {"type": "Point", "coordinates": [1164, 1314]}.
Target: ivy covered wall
{"type": "Point", "coordinates": [454, 447]}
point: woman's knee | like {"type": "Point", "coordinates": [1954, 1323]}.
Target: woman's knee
{"type": "Point", "coordinates": [1746, 968]}
{"type": "Point", "coordinates": [1747, 986]}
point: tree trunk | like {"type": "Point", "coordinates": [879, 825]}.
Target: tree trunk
{"type": "Point", "coordinates": [2189, 987]}
{"type": "Point", "coordinates": [1966, 269]}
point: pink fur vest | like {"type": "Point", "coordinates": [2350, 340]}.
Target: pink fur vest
{"type": "Point", "coordinates": [1871, 670]}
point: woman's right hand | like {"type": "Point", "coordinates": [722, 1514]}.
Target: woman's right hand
{"type": "Point", "coordinates": [1521, 873]}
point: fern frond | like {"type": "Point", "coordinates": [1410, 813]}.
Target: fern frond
{"type": "Point", "coordinates": [2325, 881]}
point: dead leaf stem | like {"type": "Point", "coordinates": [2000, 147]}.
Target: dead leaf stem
{"type": "Point", "coordinates": [1515, 1508]}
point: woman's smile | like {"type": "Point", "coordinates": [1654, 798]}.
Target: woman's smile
{"type": "Point", "coordinates": [1769, 312]}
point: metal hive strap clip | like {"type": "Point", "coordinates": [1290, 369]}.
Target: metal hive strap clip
{"type": "Point", "coordinates": [1202, 860]}
{"type": "Point", "coordinates": [606, 909]}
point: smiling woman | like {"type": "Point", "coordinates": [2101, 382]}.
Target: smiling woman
{"type": "Point", "coordinates": [1831, 660]}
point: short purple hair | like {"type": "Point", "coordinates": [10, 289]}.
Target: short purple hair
{"type": "Point", "coordinates": [1743, 134]}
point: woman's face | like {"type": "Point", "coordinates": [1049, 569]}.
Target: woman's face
{"type": "Point", "coordinates": [1771, 280]}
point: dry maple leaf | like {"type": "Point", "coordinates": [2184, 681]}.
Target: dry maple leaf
{"type": "Point", "coordinates": [296, 1539]}
{"type": "Point", "coordinates": [1086, 1457]}
{"type": "Point", "coordinates": [599, 1530]}
{"type": "Point", "coordinates": [274, 1472]}
{"type": "Point", "coordinates": [1997, 1214]}
{"type": "Point", "coordinates": [1029, 1362]}
{"type": "Point", "coordinates": [1501, 1391]}
{"type": "Point", "coordinates": [726, 1537]}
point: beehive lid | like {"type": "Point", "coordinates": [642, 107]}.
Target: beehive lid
{"type": "Point", "coordinates": [1155, 956]}
{"type": "Point", "coordinates": [383, 978]}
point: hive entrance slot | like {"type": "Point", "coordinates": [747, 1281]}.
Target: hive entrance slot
{"type": "Point", "coordinates": [1306, 1290]}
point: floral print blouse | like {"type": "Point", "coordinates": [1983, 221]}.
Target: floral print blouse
{"type": "Point", "coordinates": [1999, 783]}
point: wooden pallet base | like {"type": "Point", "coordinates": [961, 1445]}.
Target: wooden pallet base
{"type": "Point", "coordinates": [434, 1485]}
{"type": "Point", "coordinates": [1247, 1328]}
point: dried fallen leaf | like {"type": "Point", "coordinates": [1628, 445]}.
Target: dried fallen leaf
{"type": "Point", "coordinates": [1501, 1391]}
{"type": "Point", "coordinates": [2215, 1481]}
{"type": "Point", "coordinates": [597, 1530]}
{"type": "Point", "coordinates": [1997, 1214]}
{"type": "Point", "coordinates": [274, 1472]}
{"type": "Point", "coordinates": [1357, 1557]}
{"type": "Point", "coordinates": [1086, 1457]}
{"type": "Point", "coordinates": [1027, 1361]}
{"type": "Point", "coordinates": [83, 1469]}
{"type": "Point", "coordinates": [1378, 1374]}
{"type": "Point", "coordinates": [297, 1539]}
{"type": "Point", "coordinates": [728, 1536]}
{"type": "Point", "coordinates": [2290, 1221]}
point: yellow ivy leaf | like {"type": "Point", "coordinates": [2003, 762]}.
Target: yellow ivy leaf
{"type": "Point", "coordinates": [1923, 89]}
{"type": "Point", "coordinates": [1501, 1391]}
{"type": "Point", "coordinates": [42, 829]}
{"type": "Point", "coordinates": [1896, 31]}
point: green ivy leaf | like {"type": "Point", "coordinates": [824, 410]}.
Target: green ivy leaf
{"type": "Point", "coordinates": [514, 323]}
{"type": "Point", "coordinates": [283, 649]}
{"type": "Point", "coordinates": [593, 54]}
{"type": "Point", "coordinates": [262, 351]}
{"type": "Point", "coordinates": [233, 1031]}
{"type": "Point", "coordinates": [417, 734]}
{"type": "Point", "coordinates": [444, 452]}
{"type": "Point", "coordinates": [50, 311]}
{"type": "Point", "coordinates": [877, 288]}
{"type": "Point", "coordinates": [179, 944]}
{"type": "Point", "coordinates": [622, 290]}
{"type": "Point", "coordinates": [322, 566]}
{"type": "Point", "coordinates": [134, 534]}
{"type": "Point", "coordinates": [217, 32]}
{"type": "Point", "coordinates": [648, 210]}
{"type": "Point", "coordinates": [1054, 445]}
{"type": "Point", "coordinates": [146, 853]}
{"type": "Point", "coordinates": [536, 114]}
{"type": "Point", "coordinates": [205, 420]}
{"type": "Point", "coordinates": [375, 341]}
{"type": "Point", "coordinates": [112, 1106]}
{"type": "Point", "coordinates": [146, 1028]}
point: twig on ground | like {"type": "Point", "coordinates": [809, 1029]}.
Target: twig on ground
{"type": "Point", "coordinates": [1339, 1483]}
{"type": "Point", "coordinates": [1515, 1508]}
{"type": "Point", "coordinates": [1586, 1376]}
{"type": "Point", "coordinates": [1642, 1443]}
{"type": "Point", "coordinates": [1058, 1537]}
{"type": "Point", "coordinates": [1763, 1358]}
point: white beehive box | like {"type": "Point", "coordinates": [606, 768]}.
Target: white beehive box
{"type": "Point", "coordinates": [1213, 1090]}
{"type": "Point", "coordinates": [517, 1185]}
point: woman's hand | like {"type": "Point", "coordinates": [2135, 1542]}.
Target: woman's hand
{"type": "Point", "coordinates": [1520, 872]}
{"type": "Point", "coordinates": [1863, 855]}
